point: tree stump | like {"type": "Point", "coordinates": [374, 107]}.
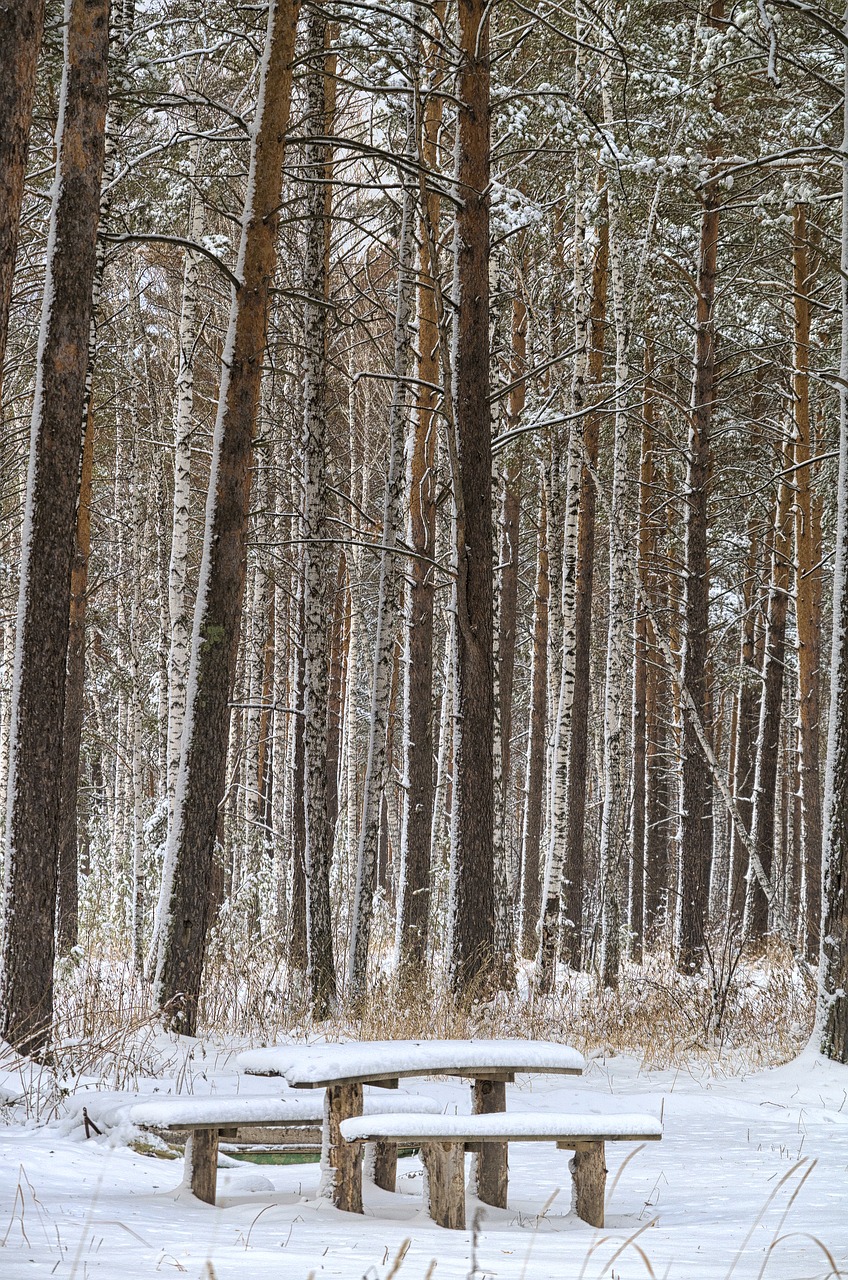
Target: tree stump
{"type": "Point", "coordinates": [202, 1161]}
{"type": "Point", "coordinates": [490, 1096]}
{"type": "Point", "coordinates": [341, 1102]}
{"type": "Point", "coordinates": [588, 1169]}
{"type": "Point", "coordinates": [445, 1165]}
{"type": "Point", "coordinates": [385, 1165]}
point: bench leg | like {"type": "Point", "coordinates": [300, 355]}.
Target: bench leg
{"type": "Point", "coordinates": [445, 1165]}
{"type": "Point", "coordinates": [588, 1169]}
{"type": "Point", "coordinates": [341, 1101]}
{"type": "Point", "coordinates": [490, 1096]}
{"type": "Point", "coordinates": [202, 1161]}
{"type": "Point", "coordinates": [385, 1165]}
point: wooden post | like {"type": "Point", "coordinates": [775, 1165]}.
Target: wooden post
{"type": "Point", "coordinates": [588, 1169]}
{"type": "Point", "coordinates": [342, 1101]}
{"type": "Point", "coordinates": [202, 1163]}
{"type": "Point", "coordinates": [385, 1165]}
{"type": "Point", "coordinates": [490, 1096]}
{"type": "Point", "coordinates": [445, 1165]}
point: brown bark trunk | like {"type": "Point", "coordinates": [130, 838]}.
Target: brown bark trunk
{"type": "Point", "coordinates": [35, 765]}
{"type": "Point", "coordinates": [578, 750]}
{"type": "Point", "coordinates": [531, 836]}
{"type": "Point", "coordinates": [204, 754]}
{"type": "Point", "coordinates": [808, 594]}
{"type": "Point", "coordinates": [21, 25]}
{"type": "Point", "coordinates": [472, 933]}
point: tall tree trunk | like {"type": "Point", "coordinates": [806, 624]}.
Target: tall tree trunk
{"type": "Point", "coordinates": [319, 832]}
{"type": "Point", "coordinates": [35, 765]}
{"type": "Point", "coordinates": [696, 817]}
{"type": "Point", "coordinates": [768, 737]}
{"type": "Point", "coordinates": [472, 906]}
{"type": "Point", "coordinates": [833, 969]}
{"type": "Point", "coordinates": [184, 899]}
{"type": "Point", "coordinates": [808, 592]}
{"type": "Point", "coordinates": [413, 906]}
{"type": "Point", "coordinates": [377, 755]}
{"type": "Point", "coordinates": [21, 25]}
{"type": "Point", "coordinates": [578, 756]}
{"type": "Point", "coordinates": [531, 830]}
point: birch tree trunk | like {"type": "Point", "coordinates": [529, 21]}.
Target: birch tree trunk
{"type": "Point", "coordinates": [387, 604]}
{"type": "Point", "coordinates": [35, 750]}
{"type": "Point", "coordinates": [578, 756]}
{"type": "Point", "coordinates": [531, 829]}
{"type": "Point", "coordinates": [472, 904]}
{"type": "Point", "coordinates": [183, 908]}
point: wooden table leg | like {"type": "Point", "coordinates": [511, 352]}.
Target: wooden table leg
{"type": "Point", "coordinates": [445, 1165]}
{"type": "Point", "coordinates": [588, 1168]}
{"type": "Point", "coordinates": [341, 1101]}
{"type": "Point", "coordinates": [490, 1096]}
{"type": "Point", "coordinates": [202, 1161]}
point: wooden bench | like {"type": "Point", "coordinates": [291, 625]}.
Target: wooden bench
{"type": "Point", "coordinates": [443, 1141]}
{"type": "Point", "coordinates": [293, 1120]}
{"type": "Point", "coordinates": [342, 1069]}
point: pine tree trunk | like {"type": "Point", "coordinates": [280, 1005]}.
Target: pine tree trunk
{"type": "Point", "coordinates": [21, 25]}
{"type": "Point", "coordinates": [35, 765]}
{"type": "Point", "coordinates": [183, 913]}
{"type": "Point", "coordinates": [472, 906]}
{"type": "Point", "coordinates": [808, 593]}
{"type": "Point", "coordinates": [319, 832]}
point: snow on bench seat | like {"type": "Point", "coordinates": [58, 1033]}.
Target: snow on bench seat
{"type": "Point", "coordinates": [444, 1139]}
{"type": "Point", "coordinates": [526, 1126]}
{"type": "Point", "coordinates": [113, 1110]}
{"type": "Point", "coordinates": [315, 1066]}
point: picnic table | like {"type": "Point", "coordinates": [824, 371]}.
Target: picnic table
{"type": "Point", "coordinates": [342, 1070]}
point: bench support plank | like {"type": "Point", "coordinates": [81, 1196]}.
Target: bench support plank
{"type": "Point", "coordinates": [588, 1169]}
{"type": "Point", "coordinates": [445, 1165]}
{"type": "Point", "coordinates": [341, 1102]}
{"type": "Point", "coordinates": [490, 1096]}
{"type": "Point", "coordinates": [202, 1161]}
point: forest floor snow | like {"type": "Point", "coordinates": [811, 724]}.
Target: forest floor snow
{"type": "Point", "coordinates": [750, 1181]}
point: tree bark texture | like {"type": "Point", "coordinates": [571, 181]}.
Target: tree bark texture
{"type": "Point", "coordinates": [531, 831]}
{"type": "Point", "coordinates": [472, 906]}
{"type": "Point", "coordinates": [35, 764]}
{"type": "Point", "coordinates": [184, 898]}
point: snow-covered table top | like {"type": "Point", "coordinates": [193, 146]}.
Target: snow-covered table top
{"type": "Point", "coordinates": [525, 1126]}
{"type": "Point", "coordinates": [316, 1066]}
{"type": "Point", "coordinates": [113, 1110]}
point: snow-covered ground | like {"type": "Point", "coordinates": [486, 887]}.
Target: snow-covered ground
{"type": "Point", "coordinates": [750, 1180]}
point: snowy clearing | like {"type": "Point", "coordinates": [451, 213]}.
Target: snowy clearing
{"type": "Point", "coordinates": [749, 1181]}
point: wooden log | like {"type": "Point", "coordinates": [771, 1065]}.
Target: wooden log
{"type": "Point", "coordinates": [490, 1096]}
{"type": "Point", "coordinates": [445, 1165]}
{"type": "Point", "coordinates": [202, 1162]}
{"type": "Point", "coordinates": [588, 1169]}
{"type": "Point", "coordinates": [342, 1102]}
{"type": "Point", "coordinates": [385, 1165]}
